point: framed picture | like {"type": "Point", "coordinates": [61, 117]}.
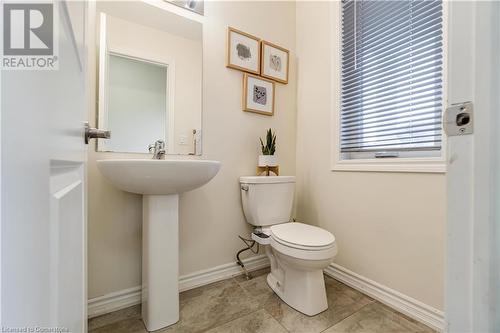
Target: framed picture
{"type": "Point", "coordinates": [243, 51]}
{"type": "Point", "coordinates": [274, 62]}
{"type": "Point", "coordinates": [258, 95]}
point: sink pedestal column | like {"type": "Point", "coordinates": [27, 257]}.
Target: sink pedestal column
{"type": "Point", "coordinates": [160, 260]}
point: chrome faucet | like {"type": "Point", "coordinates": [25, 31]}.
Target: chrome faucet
{"type": "Point", "coordinates": [158, 150]}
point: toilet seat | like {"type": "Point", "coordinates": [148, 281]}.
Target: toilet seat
{"type": "Point", "coordinates": [303, 241]}
{"type": "Point", "coordinates": [302, 236]}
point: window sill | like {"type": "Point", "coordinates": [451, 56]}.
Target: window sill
{"type": "Point", "coordinates": [391, 165]}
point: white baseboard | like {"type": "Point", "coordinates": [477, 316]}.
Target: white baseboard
{"type": "Point", "coordinates": [411, 307]}
{"type": "Point", "coordinates": [113, 301]}
{"type": "Point", "coordinates": [128, 297]}
{"type": "Point", "coordinates": [222, 272]}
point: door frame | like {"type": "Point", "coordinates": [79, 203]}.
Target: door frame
{"type": "Point", "coordinates": [473, 76]}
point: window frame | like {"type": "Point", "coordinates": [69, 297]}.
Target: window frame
{"type": "Point", "coordinates": [398, 164]}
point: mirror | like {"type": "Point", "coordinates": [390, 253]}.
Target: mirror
{"type": "Point", "coordinates": [150, 78]}
{"type": "Point", "coordinates": [137, 103]}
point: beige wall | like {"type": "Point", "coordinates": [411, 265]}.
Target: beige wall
{"type": "Point", "coordinates": [210, 217]}
{"type": "Point", "coordinates": [390, 227]}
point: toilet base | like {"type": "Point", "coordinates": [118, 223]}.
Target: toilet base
{"type": "Point", "coordinates": [302, 289]}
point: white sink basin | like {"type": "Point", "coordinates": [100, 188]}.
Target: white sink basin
{"type": "Point", "coordinates": [160, 182]}
{"type": "Point", "coordinates": [158, 176]}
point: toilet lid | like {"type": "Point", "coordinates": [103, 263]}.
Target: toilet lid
{"type": "Point", "coordinates": [303, 235]}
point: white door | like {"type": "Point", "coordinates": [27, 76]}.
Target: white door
{"type": "Point", "coordinates": [43, 235]}
{"type": "Point", "coordinates": [472, 283]}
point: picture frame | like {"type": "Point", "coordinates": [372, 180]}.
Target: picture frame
{"type": "Point", "coordinates": [275, 62]}
{"type": "Point", "coordinates": [258, 94]}
{"type": "Point", "coordinates": [243, 51]}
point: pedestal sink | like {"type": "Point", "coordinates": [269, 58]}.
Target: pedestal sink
{"type": "Point", "coordinates": [160, 182]}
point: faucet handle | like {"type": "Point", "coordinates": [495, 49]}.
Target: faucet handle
{"type": "Point", "coordinates": [161, 144]}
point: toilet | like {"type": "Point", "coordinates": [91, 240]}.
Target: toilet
{"type": "Point", "coordinates": [298, 252]}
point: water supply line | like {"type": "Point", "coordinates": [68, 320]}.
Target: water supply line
{"type": "Point", "coordinates": [250, 243]}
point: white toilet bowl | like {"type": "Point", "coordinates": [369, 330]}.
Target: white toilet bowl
{"type": "Point", "coordinates": [297, 266]}
{"type": "Point", "coordinates": [298, 252]}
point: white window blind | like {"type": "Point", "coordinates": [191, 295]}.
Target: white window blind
{"type": "Point", "coordinates": [392, 78]}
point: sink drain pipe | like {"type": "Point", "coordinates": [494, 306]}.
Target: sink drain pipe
{"type": "Point", "coordinates": [250, 243]}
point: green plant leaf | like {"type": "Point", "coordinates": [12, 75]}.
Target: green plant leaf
{"type": "Point", "coordinates": [273, 145]}
{"type": "Point", "coordinates": [262, 147]}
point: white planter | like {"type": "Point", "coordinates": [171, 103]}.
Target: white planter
{"type": "Point", "coordinates": [268, 160]}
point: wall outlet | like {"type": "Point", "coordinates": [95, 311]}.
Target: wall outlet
{"type": "Point", "coordinates": [183, 139]}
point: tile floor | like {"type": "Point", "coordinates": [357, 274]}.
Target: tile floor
{"type": "Point", "coordinates": [238, 305]}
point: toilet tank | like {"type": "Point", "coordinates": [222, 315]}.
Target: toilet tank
{"type": "Point", "coordinates": [267, 200]}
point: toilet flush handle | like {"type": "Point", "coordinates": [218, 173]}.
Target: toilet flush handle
{"type": "Point", "coordinates": [244, 187]}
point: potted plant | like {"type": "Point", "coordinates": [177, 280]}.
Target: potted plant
{"type": "Point", "coordinates": [268, 158]}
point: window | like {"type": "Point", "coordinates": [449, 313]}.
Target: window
{"type": "Point", "coordinates": [391, 79]}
